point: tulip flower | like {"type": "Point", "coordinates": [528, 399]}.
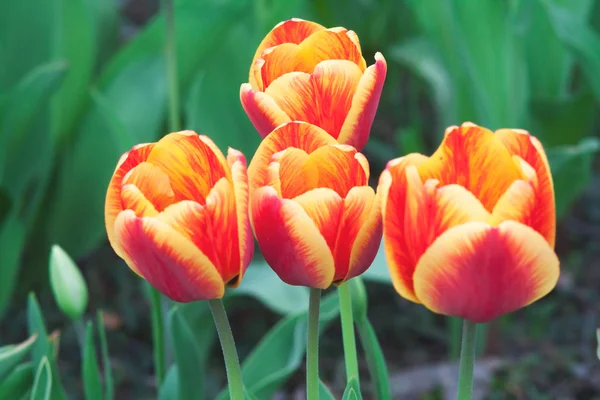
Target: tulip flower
{"type": "Point", "coordinates": [470, 231]}
{"type": "Point", "coordinates": [316, 220]}
{"type": "Point", "coordinates": [304, 72]}
{"type": "Point", "coordinates": [177, 213]}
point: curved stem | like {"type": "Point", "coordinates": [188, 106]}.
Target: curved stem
{"type": "Point", "coordinates": [467, 360]}
{"type": "Point", "coordinates": [232, 363]}
{"type": "Point", "coordinates": [312, 346]}
{"type": "Point", "coordinates": [348, 339]}
{"type": "Point", "coordinates": [158, 342]}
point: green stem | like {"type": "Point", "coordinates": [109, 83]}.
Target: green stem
{"type": "Point", "coordinates": [348, 331]}
{"type": "Point", "coordinates": [158, 336]}
{"type": "Point", "coordinates": [375, 360]}
{"type": "Point", "coordinates": [171, 59]}
{"type": "Point", "coordinates": [232, 363]}
{"type": "Point", "coordinates": [312, 347]}
{"type": "Point", "coordinates": [467, 360]}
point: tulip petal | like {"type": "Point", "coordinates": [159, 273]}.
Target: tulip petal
{"type": "Point", "coordinates": [479, 272]}
{"type": "Point", "coordinates": [318, 47]}
{"type": "Point", "coordinates": [237, 163]}
{"type": "Point", "coordinates": [212, 228]}
{"type": "Point", "coordinates": [340, 167]}
{"type": "Point", "coordinates": [192, 165]}
{"type": "Point", "coordinates": [290, 241]}
{"type": "Point", "coordinates": [113, 204]}
{"type": "Point", "coordinates": [294, 30]}
{"type": "Point", "coordinates": [133, 199]}
{"type": "Point", "coordinates": [263, 111]}
{"type": "Point", "coordinates": [357, 125]}
{"type": "Point", "coordinates": [527, 147]}
{"type": "Point", "coordinates": [324, 207]}
{"type": "Point", "coordinates": [153, 183]}
{"type": "Point", "coordinates": [296, 134]}
{"type": "Point", "coordinates": [392, 189]}
{"type": "Point", "coordinates": [359, 233]}
{"type": "Point", "coordinates": [516, 204]}
{"type": "Point", "coordinates": [474, 158]}
{"type": "Point", "coordinates": [295, 175]}
{"type": "Point", "coordinates": [323, 98]}
{"type": "Point", "coordinates": [166, 259]}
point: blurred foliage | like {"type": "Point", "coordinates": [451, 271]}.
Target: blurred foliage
{"type": "Point", "coordinates": [80, 84]}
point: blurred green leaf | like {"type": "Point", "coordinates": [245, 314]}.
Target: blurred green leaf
{"type": "Point", "coordinates": [168, 390]}
{"type": "Point", "coordinates": [284, 347]}
{"type": "Point", "coordinates": [67, 283]}
{"type": "Point", "coordinates": [42, 351]}
{"type": "Point", "coordinates": [580, 38]}
{"type": "Point", "coordinates": [25, 37]}
{"type": "Point", "coordinates": [134, 83]}
{"type": "Point", "coordinates": [549, 62]}
{"type": "Point", "coordinates": [249, 395]}
{"type": "Point", "coordinates": [190, 363]}
{"type": "Point", "coordinates": [89, 367]}
{"type": "Point", "coordinates": [105, 21]}
{"type": "Point", "coordinates": [73, 36]}
{"type": "Point", "coordinates": [121, 137]}
{"type": "Point", "coordinates": [11, 356]}
{"type": "Point", "coordinates": [106, 366]}
{"type": "Point", "coordinates": [572, 171]}
{"type": "Point", "coordinates": [421, 57]}
{"type": "Point", "coordinates": [324, 392]}
{"type": "Point", "coordinates": [42, 384]}
{"type": "Point", "coordinates": [18, 384]}
{"type": "Point", "coordinates": [12, 241]}
{"type": "Point", "coordinates": [566, 120]}
{"type": "Point", "coordinates": [20, 159]}
{"type": "Point", "coordinates": [213, 107]}
{"type": "Point", "coordinates": [261, 282]}
{"type": "Point", "coordinates": [352, 391]}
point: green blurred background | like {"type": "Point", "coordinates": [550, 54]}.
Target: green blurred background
{"type": "Point", "coordinates": [81, 81]}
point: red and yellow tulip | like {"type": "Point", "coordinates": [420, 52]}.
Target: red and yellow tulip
{"type": "Point", "coordinates": [469, 231]}
{"type": "Point", "coordinates": [304, 72]}
{"type": "Point", "coordinates": [316, 220]}
{"type": "Point", "coordinates": [177, 213]}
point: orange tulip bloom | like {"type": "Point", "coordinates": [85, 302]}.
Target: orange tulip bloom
{"type": "Point", "coordinates": [304, 72]}
{"type": "Point", "coordinates": [316, 220]}
{"type": "Point", "coordinates": [469, 231]}
{"type": "Point", "coordinates": [177, 213]}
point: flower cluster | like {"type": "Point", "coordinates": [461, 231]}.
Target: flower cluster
{"type": "Point", "coordinates": [468, 232]}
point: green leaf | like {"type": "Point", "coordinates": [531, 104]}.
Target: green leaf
{"type": "Point", "coordinates": [42, 349]}
{"type": "Point", "coordinates": [284, 347]}
{"type": "Point", "coordinates": [73, 41]}
{"type": "Point", "coordinates": [11, 356]}
{"type": "Point", "coordinates": [261, 282]}
{"type": "Point", "coordinates": [18, 384]}
{"type": "Point", "coordinates": [352, 391]}
{"type": "Point", "coordinates": [566, 120]}
{"type": "Point", "coordinates": [25, 38]}
{"type": "Point", "coordinates": [572, 171]}
{"type": "Point", "coordinates": [42, 384]}
{"type": "Point", "coordinates": [324, 392]}
{"type": "Point", "coordinates": [18, 130]}
{"type": "Point", "coordinates": [68, 285]}
{"type": "Point", "coordinates": [549, 62]}
{"type": "Point", "coordinates": [12, 242]}
{"type": "Point", "coordinates": [375, 359]}
{"type": "Point", "coordinates": [105, 24]}
{"type": "Point", "coordinates": [108, 378]}
{"type": "Point", "coordinates": [168, 390]}
{"type": "Point", "coordinates": [134, 83]}
{"type": "Point", "coordinates": [190, 362]}
{"type": "Point", "coordinates": [89, 368]}
{"type": "Point", "coordinates": [249, 395]}
{"type": "Point", "coordinates": [421, 57]}
{"type": "Point", "coordinates": [581, 40]}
